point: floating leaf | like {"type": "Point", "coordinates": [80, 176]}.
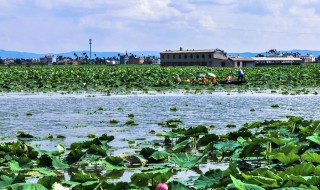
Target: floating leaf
{"type": "Point", "coordinates": [160, 155]}
{"type": "Point", "coordinates": [181, 145]}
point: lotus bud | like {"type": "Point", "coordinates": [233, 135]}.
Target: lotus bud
{"type": "Point", "coordinates": [162, 186]}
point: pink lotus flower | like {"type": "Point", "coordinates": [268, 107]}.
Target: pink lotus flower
{"type": "Point", "coordinates": [162, 186]}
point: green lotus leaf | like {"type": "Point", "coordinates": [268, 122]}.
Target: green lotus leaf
{"type": "Point", "coordinates": [111, 167]}
{"type": "Point", "coordinates": [6, 181]}
{"type": "Point", "coordinates": [308, 180]}
{"type": "Point", "coordinates": [170, 134]}
{"type": "Point", "coordinates": [196, 131]}
{"type": "Point", "coordinates": [58, 164]}
{"type": "Point", "coordinates": [265, 181]}
{"type": "Point", "coordinates": [23, 163]}
{"type": "Point", "coordinates": [82, 177]}
{"type": "Point", "coordinates": [48, 181]}
{"type": "Point", "coordinates": [187, 161]}
{"type": "Point", "coordinates": [182, 145]}
{"type": "Point", "coordinates": [117, 161]}
{"type": "Point", "coordinates": [74, 156]}
{"type": "Point", "coordinates": [45, 160]}
{"type": "Point", "coordinates": [147, 152]}
{"type": "Point", "coordinates": [226, 146]}
{"type": "Point", "coordinates": [244, 186]}
{"type": "Point", "coordinates": [303, 169]}
{"type": "Point", "coordinates": [208, 179]}
{"type": "Point", "coordinates": [115, 186]}
{"type": "Point", "coordinates": [177, 185]}
{"type": "Point", "coordinates": [152, 177]}
{"type": "Point", "coordinates": [97, 150]}
{"type": "Point", "coordinates": [315, 139]}
{"type": "Point", "coordinates": [285, 159]}
{"type": "Point", "coordinates": [208, 138]}
{"type": "Point", "coordinates": [27, 186]}
{"type": "Point", "coordinates": [316, 171]}
{"type": "Point", "coordinates": [45, 171]}
{"type": "Point", "coordinates": [160, 155]}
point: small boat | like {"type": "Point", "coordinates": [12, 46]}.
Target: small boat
{"type": "Point", "coordinates": [232, 82]}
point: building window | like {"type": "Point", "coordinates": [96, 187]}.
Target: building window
{"type": "Point", "coordinates": [210, 56]}
{"type": "Point", "coordinates": [223, 64]}
{"type": "Point", "coordinates": [191, 56]}
{"type": "Point", "coordinates": [197, 56]}
{"type": "Point", "coordinates": [162, 56]}
{"type": "Point", "coordinates": [174, 56]}
{"type": "Point", "coordinates": [203, 56]}
{"type": "Point", "coordinates": [185, 56]}
{"type": "Point", "coordinates": [168, 56]}
{"type": "Point", "coordinates": [179, 56]}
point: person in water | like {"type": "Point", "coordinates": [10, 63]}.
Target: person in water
{"type": "Point", "coordinates": [240, 74]}
{"type": "Point", "coordinates": [178, 79]}
{"type": "Point", "coordinates": [229, 78]}
{"type": "Point", "coordinates": [213, 79]}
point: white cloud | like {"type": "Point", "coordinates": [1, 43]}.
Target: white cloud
{"type": "Point", "coordinates": [247, 25]}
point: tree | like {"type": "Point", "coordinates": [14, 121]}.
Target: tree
{"type": "Point", "coordinates": [1, 61]}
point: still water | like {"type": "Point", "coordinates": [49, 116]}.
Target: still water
{"type": "Point", "coordinates": [77, 115]}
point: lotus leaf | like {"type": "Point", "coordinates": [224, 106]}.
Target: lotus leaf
{"type": "Point", "coordinates": [182, 145]}
{"type": "Point", "coordinates": [74, 156]}
{"type": "Point", "coordinates": [244, 186]}
{"type": "Point", "coordinates": [23, 163]}
{"type": "Point", "coordinates": [27, 186]}
{"type": "Point", "coordinates": [264, 181]}
{"type": "Point", "coordinates": [177, 185]}
{"type": "Point", "coordinates": [285, 159]}
{"type": "Point", "coordinates": [315, 139]}
{"type": "Point", "coordinates": [45, 171]}
{"type": "Point", "coordinates": [152, 177]}
{"type": "Point", "coordinates": [82, 177]}
{"type": "Point", "coordinates": [187, 161]}
{"type": "Point", "coordinates": [48, 181]}
{"type": "Point", "coordinates": [116, 186]}
{"type": "Point", "coordinates": [160, 155]}
{"type": "Point", "coordinates": [58, 164]}
{"type": "Point", "coordinates": [209, 179]}
{"type": "Point", "coordinates": [147, 152]}
{"type": "Point", "coordinates": [7, 181]}
{"type": "Point", "coordinates": [303, 169]}
{"type": "Point", "coordinates": [226, 146]}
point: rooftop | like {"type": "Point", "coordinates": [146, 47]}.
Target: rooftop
{"type": "Point", "coordinates": [191, 51]}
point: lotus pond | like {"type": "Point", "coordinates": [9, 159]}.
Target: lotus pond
{"type": "Point", "coordinates": [226, 140]}
{"type": "Point", "coordinates": [125, 79]}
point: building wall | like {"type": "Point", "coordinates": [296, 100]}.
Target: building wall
{"type": "Point", "coordinates": [124, 59]}
{"type": "Point", "coordinates": [136, 60]}
{"type": "Point", "coordinates": [194, 58]}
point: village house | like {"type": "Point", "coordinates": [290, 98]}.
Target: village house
{"type": "Point", "coordinates": [48, 59]}
{"type": "Point", "coordinates": [264, 61]}
{"type": "Point", "coordinates": [309, 58]}
{"type": "Point", "coordinates": [210, 58]}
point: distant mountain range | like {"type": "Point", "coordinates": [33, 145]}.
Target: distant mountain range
{"type": "Point", "coordinates": [302, 52]}
{"type": "Point", "coordinates": [28, 55]}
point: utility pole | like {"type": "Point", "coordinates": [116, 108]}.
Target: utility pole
{"type": "Point", "coordinates": [90, 42]}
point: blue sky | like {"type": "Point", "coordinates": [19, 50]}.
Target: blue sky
{"type": "Point", "coordinates": [55, 26]}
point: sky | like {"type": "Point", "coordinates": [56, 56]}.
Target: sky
{"type": "Point", "coordinates": [56, 26]}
